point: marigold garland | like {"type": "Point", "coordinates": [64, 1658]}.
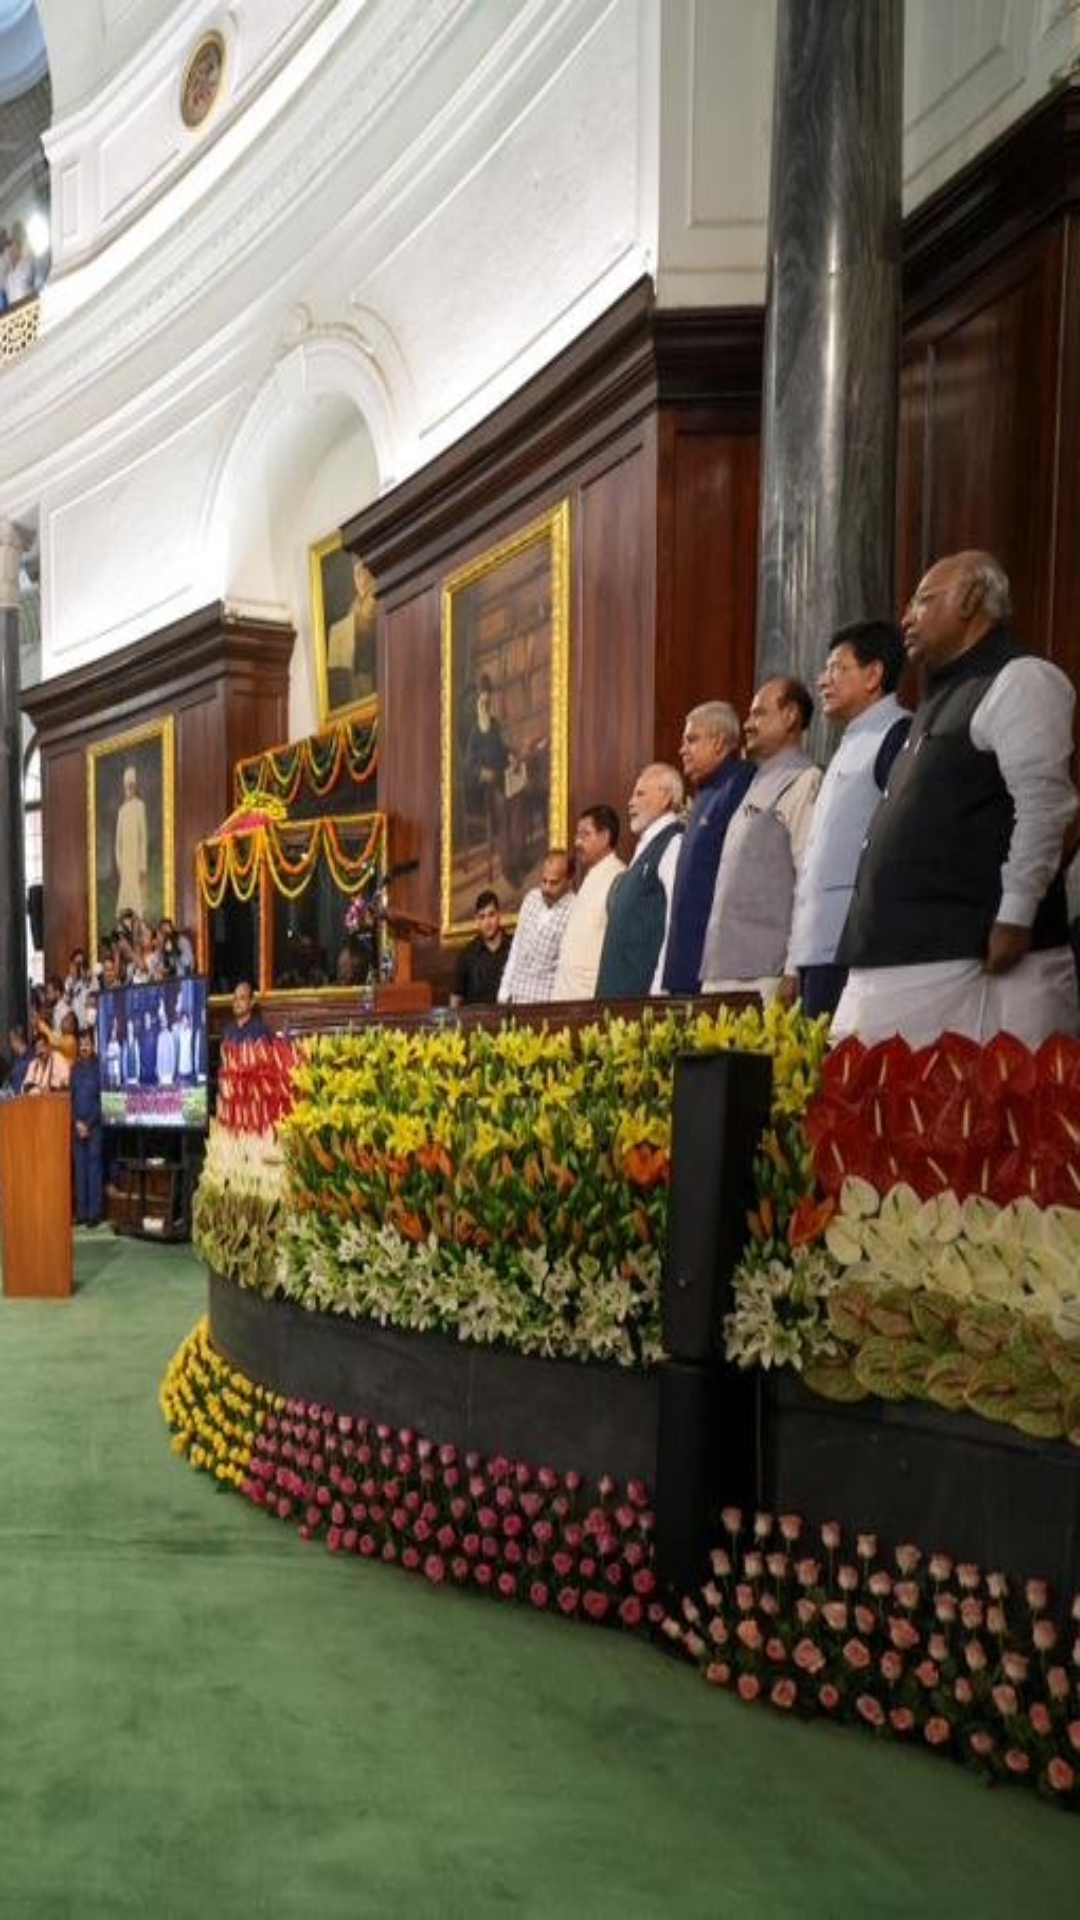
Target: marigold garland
{"type": "Point", "coordinates": [317, 762]}
{"type": "Point", "coordinates": [289, 854]}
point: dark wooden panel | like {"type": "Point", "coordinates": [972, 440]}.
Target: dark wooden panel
{"type": "Point", "coordinates": [707, 569]}
{"type": "Point", "coordinates": [409, 760]}
{"type": "Point", "coordinates": [990, 391]}
{"type": "Point", "coordinates": [224, 680]}
{"type": "Point", "coordinates": [1064, 615]}
{"type": "Point", "coordinates": [612, 676]}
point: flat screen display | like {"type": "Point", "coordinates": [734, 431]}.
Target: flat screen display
{"type": "Point", "coordinates": [152, 1051]}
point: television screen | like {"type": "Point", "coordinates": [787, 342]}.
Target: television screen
{"type": "Point", "coordinates": [152, 1051]}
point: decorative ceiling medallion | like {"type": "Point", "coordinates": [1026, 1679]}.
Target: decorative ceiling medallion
{"type": "Point", "coordinates": [202, 80]}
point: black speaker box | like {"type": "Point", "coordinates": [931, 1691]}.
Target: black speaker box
{"type": "Point", "coordinates": [720, 1109]}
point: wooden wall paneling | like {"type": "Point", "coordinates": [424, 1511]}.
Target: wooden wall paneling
{"type": "Point", "coordinates": [225, 682]}
{"type": "Point", "coordinates": [707, 560]}
{"type": "Point", "coordinates": [912, 485]}
{"type": "Point", "coordinates": [1064, 614]}
{"type": "Point", "coordinates": [991, 393]}
{"type": "Point", "coordinates": [409, 771]}
{"type": "Point", "coordinates": [612, 679]}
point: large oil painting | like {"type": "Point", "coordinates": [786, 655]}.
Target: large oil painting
{"type": "Point", "coordinates": [505, 646]}
{"type": "Point", "coordinates": [129, 812]}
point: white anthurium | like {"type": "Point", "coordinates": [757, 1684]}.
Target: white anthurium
{"type": "Point", "coordinates": [844, 1241]}
{"type": "Point", "coordinates": [980, 1217]}
{"type": "Point", "coordinates": [858, 1199]}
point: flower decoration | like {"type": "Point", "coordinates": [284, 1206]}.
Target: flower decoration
{"type": "Point", "coordinates": [508, 1528]}
{"type": "Point", "coordinates": [914, 1647]}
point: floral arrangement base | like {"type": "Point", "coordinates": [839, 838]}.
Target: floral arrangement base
{"type": "Point", "coordinates": [1000, 1497]}
{"type": "Point", "coordinates": [915, 1647]}
{"type": "Point", "coordinates": [593, 1417]}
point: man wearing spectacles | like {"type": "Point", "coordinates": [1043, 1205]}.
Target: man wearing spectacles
{"type": "Point", "coordinates": [958, 920]}
{"type": "Point", "coordinates": [857, 688]}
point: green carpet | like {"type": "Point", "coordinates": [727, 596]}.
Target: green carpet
{"type": "Point", "coordinates": [199, 1715]}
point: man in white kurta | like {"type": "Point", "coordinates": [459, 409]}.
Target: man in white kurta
{"type": "Point", "coordinates": [958, 921]}
{"type": "Point", "coordinates": [599, 865]}
{"type": "Point", "coordinates": [131, 849]}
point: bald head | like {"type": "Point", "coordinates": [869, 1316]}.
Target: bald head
{"type": "Point", "coordinates": [956, 603]}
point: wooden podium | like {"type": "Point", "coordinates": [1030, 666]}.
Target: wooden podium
{"type": "Point", "coordinates": [35, 1194]}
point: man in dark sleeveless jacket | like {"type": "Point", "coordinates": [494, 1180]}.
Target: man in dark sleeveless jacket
{"type": "Point", "coordinates": [639, 904]}
{"type": "Point", "coordinates": [958, 919]}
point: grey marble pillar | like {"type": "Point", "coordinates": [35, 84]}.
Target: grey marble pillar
{"type": "Point", "coordinates": [12, 861]}
{"type": "Point", "coordinates": [829, 405]}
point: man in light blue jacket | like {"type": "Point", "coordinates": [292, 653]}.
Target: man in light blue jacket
{"type": "Point", "coordinates": [857, 685]}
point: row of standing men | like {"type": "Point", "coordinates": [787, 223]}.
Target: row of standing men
{"type": "Point", "coordinates": [915, 886]}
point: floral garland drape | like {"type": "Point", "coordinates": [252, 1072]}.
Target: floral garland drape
{"type": "Point", "coordinates": [254, 842]}
{"type": "Point", "coordinates": [318, 762]}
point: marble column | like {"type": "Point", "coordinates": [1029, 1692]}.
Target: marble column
{"type": "Point", "coordinates": [829, 403]}
{"type": "Point", "coordinates": [12, 861]}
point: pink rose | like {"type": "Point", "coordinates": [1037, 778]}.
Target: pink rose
{"type": "Point", "coordinates": [971, 1613]}
{"type": "Point", "coordinates": [997, 1586]}
{"type": "Point", "coordinates": [866, 1546]}
{"type": "Point", "coordinates": [1036, 1594]}
{"type": "Point", "coordinates": [748, 1686]}
{"type": "Point", "coordinates": [880, 1584]}
{"type": "Point", "coordinates": [963, 1691]}
{"type": "Point", "coordinates": [901, 1719]}
{"type": "Point", "coordinates": [906, 1593]}
{"type": "Point", "coordinates": [630, 1611]}
{"type": "Point", "coordinates": [718, 1632]}
{"type": "Point", "coordinates": [1039, 1716]}
{"type": "Point", "coordinates": [927, 1674]}
{"type": "Point", "coordinates": [805, 1611]}
{"type": "Point", "coordinates": [908, 1558]}
{"type": "Point", "coordinates": [435, 1569]}
{"type": "Point", "coordinates": [828, 1697]}
{"type": "Point", "coordinates": [718, 1673]}
{"type": "Point", "coordinates": [721, 1563]}
{"type": "Point", "coordinates": [568, 1599]}
{"type": "Point", "coordinates": [847, 1579]}
{"type": "Point", "coordinates": [1060, 1775]}
{"type": "Point", "coordinates": [460, 1568]}
{"type": "Point", "coordinates": [865, 1619]}
{"type": "Point", "coordinates": [768, 1604]}
{"type": "Point", "coordinates": [744, 1597]}
{"type": "Point", "coordinates": [996, 1622]}
{"type": "Point", "coordinates": [870, 1710]}
{"type": "Point", "coordinates": [644, 1580]}
{"type": "Point", "coordinates": [763, 1525]}
{"type": "Point", "coordinates": [856, 1654]}
{"type": "Point", "coordinates": [1073, 1734]}
{"type": "Point", "coordinates": [830, 1535]}
{"type": "Point", "coordinates": [902, 1634]}
{"type": "Point", "coordinates": [777, 1564]}
{"type": "Point", "coordinates": [968, 1577]}
{"type": "Point", "coordinates": [749, 1634]}
{"type": "Point", "coordinates": [945, 1608]}
{"type": "Point", "coordinates": [1004, 1699]}
{"type": "Point", "coordinates": [595, 1604]}
{"type": "Point", "coordinates": [937, 1731]}
{"type": "Point", "coordinates": [981, 1743]}
{"type": "Point", "coordinates": [807, 1573]}
{"type": "Point", "coordinates": [790, 1527]}
{"type": "Point", "coordinates": [974, 1656]}
{"type": "Point", "coordinates": [940, 1566]}
{"type": "Point", "coordinates": [782, 1694]}
{"type": "Point", "coordinates": [1043, 1635]}
{"type": "Point", "coordinates": [482, 1574]}
{"type": "Point", "coordinates": [1057, 1683]}
{"type": "Point", "coordinates": [1017, 1761]}
{"type": "Point", "coordinates": [732, 1519]}
{"type": "Point", "coordinates": [1015, 1667]}
{"type": "Point", "coordinates": [775, 1651]}
{"type": "Point", "coordinates": [835, 1615]}
{"type": "Point", "coordinates": [753, 1566]}
{"type": "Point", "coordinates": [410, 1558]}
{"type": "Point", "coordinates": [807, 1656]}
{"type": "Point", "coordinates": [892, 1667]}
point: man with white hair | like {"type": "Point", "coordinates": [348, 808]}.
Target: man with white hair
{"type": "Point", "coordinates": [958, 920]}
{"type": "Point", "coordinates": [639, 904]}
{"type": "Point", "coordinates": [713, 766]}
{"type": "Point", "coordinates": [131, 847]}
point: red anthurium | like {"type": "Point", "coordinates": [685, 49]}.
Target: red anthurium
{"type": "Point", "coordinates": [1005, 1064]}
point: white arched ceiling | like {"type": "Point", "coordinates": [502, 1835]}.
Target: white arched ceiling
{"type": "Point", "coordinates": [89, 41]}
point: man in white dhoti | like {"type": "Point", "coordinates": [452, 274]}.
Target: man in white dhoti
{"type": "Point", "coordinates": [958, 920]}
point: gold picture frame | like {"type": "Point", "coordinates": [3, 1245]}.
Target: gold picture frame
{"type": "Point", "coordinates": [505, 718]}
{"type": "Point", "coordinates": [344, 618]}
{"type": "Point", "coordinates": [129, 818]}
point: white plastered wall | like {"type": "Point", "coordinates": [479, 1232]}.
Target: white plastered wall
{"type": "Point", "coordinates": [398, 211]}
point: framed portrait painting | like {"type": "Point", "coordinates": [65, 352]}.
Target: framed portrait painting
{"type": "Point", "coordinates": [505, 719]}
{"type": "Point", "coordinates": [344, 616]}
{"type": "Point", "coordinates": [129, 813]}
